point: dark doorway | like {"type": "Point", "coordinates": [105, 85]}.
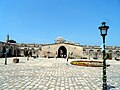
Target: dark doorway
{"type": "Point", "coordinates": [62, 52]}
{"type": "Point", "coordinates": [3, 51]}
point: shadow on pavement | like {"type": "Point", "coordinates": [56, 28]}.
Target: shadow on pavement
{"type": "Point", "coordinates": [109, 87]}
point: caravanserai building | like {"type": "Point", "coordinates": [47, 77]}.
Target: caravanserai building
{"type": "Point", "coordinates": [60, 49]}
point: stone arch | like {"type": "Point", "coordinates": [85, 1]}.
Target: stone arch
{"type": "Point", "coordinates": [3, 51]}
{"type": "Point", "coordinates": [84, 49]}
{"type": "Point", "coordinates": [110, 51]}
{"type": "Point", "coordinates": [98, 50]}
{"type": "Point", "coordinates": [91, 51]}
{"type": "Point", "coordinates": [10, 53]}
{"type": "Point", "coordinates": [117, 51]}
{"type": "Point", "coordinates": [25, 52]}
{"type": "Point", "coordinates": [62, 52]}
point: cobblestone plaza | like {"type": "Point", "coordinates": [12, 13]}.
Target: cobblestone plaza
{"type": "Point", "coordinates": [55, 74]}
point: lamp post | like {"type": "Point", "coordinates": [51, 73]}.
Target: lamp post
{"type": "Point", "coordinates": [103, 31]}
{"type": "Point", "coordinates": [28, 54]}
{"type": "Point", "coordinates": [6, 51]}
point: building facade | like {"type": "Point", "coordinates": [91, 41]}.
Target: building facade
{"type": "Point", "coordinates": [9, 48]}
{"type": "Point", "coordinates": [60, 49]}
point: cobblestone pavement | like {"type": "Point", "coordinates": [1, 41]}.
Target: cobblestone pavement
{"type": "Point", "coordinates": [55, 74]}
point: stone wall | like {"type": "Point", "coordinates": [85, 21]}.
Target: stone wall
{"type": "Point", "coordinates": [12, 49]}
{"type": "Point", "coordinates": [52, 49]}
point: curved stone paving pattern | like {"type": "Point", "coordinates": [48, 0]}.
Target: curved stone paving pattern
{"type": "Point", "coordinates": [52, 74]}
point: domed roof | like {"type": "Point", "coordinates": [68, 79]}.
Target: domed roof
{"type": "Point", "coordinates": [59, 38]}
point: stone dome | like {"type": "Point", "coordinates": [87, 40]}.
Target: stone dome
{"type": "Point", "coordinates": [59, 40]}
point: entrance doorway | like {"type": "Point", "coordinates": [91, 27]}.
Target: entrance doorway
{"type": "Point", "coordinates": [62, 52]}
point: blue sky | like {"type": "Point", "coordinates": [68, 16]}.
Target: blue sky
{"type": "Point", "coordinates": [42, 21]}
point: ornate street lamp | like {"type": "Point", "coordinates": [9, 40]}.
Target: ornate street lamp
{"type": "Point", "coordinates": [6, 49]}
{"type": "Point", "coordinates": [103, 31]}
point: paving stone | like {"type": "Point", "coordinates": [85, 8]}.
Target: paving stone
{"type": "Point", "coordinates": [44, 74]}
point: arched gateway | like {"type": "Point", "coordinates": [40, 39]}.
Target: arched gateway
{"type": "Point", "coordinates": [62, 52]}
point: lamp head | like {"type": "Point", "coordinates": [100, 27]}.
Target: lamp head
{"type": "Point", "coordinates": [103, 29]}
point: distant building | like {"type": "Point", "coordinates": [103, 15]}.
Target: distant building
{"type": "Point", "coordinates": [60, 49]}
{"type": "Point", "coordinates": [12, 49]}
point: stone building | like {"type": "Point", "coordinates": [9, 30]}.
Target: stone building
{"type": "Point", "coordinates": [10, 48]}
{"type": "Point", "coordinates": [60, 49]}
{"type": "Point", "coordinates": [95, 52]}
